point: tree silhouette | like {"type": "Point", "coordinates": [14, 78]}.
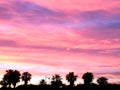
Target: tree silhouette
{"type": "Point", "coordinates": [16, 78]}
{"type": "Point", "coordinates": [102, 81]}
{"type": "Point", "coordinates": [12, 77]}
{"type": "Point", "coordinates": [3, 83]}
{"type": "Point", "coordinates": [8, 77]}
{"type": "Point", "coordinates": [43, 82]}
{"type": "Point", "coordinates": [56, 80]}
{"type": "Point", "coordinates": [87, 77]}
{"type": "Point", "coordinates": [71, 78]}
{"type": "Point", "coordinates": [26, 76]}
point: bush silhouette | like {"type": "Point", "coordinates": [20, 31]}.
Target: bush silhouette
{"type": "Point", "coordinates": [102, 81]}
{"type": "Point", "coordinates": [56, 81]}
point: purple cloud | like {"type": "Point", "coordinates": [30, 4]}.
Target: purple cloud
{"type": "Point", "coordinates": [107, 52]}
{"type": "Point", "coordinates": [30, 12]}
{"type": "Point", "coordinates": [8, 43]}
{"type": "Point", "coordinates": [115, 73]}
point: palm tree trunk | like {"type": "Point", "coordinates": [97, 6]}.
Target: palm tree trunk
{"type": "Point", "coordinates": [26, 82]}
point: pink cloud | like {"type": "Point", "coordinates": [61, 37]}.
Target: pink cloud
{"type": "Point", "coordinates": [77, 5]}
{"type": "Point", "coordinates": [48, 39]}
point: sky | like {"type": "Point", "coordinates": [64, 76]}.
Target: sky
{"type": "Point", "coordinates": [47, 37]}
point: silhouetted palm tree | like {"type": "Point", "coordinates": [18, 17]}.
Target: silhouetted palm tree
{"type": "Point", "coordinates": [71, 78]}
{"type": "Point", "coordinates": [102, 81]}
{"type": "Point", "coordinates": [56, 80]}
{"type": "Point", "coordinates": [87, 77]}
{"type": "Point", "coordinates": [26, 76]}
{"type": "Point", "coordinates": [12, 77]}
{"type": "Point", "coordinates": [16, 78]}
{"type": "Point", "coordinates": [8, 77]}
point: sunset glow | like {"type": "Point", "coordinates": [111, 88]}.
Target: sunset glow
{"type": "Point", "coordinates": [47, 37]}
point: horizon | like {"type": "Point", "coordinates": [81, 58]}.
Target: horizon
{"type": "Point", "coordinates": [47, 37]}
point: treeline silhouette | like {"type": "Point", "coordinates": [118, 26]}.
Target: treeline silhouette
{"type": "Point", "coordinates": [12, 77]}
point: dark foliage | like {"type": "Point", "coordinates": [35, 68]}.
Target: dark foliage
{"type": "Point", "coordinates": [87, 77]}
{"type": "Point", "coordinates": [12, 77]}
{"type": "Point", "coordinates": [26, 76]}
{"type": "Point", "coordinates": [71, 78]}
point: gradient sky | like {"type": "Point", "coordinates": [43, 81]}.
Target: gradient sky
{"type": "Point", "coordinates": [47, 37]}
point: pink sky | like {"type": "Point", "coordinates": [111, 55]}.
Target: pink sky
{"type": "Point", "coordinates": [47, 37]}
